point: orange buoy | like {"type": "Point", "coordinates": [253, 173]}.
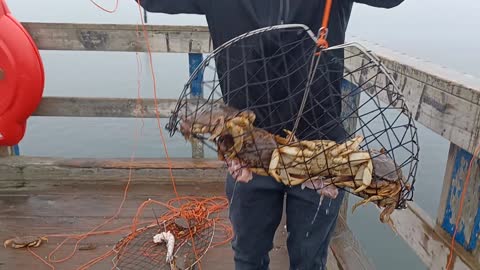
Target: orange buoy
{"type": "Point", "coordinates": [22, 78]}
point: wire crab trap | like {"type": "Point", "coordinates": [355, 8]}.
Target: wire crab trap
{"type": "Point", "coordinates": [325, 118]}
{"type": "Point", "coordinates": [177, 241]}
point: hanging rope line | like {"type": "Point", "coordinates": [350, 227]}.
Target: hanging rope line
{"type": "Point", "coordinates": [322, 37]}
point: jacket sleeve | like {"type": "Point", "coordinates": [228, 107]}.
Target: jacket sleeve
{"type": "Point", "coordinates": [174, 6]}
{"type": "Point", "coordinates": [380, 3]}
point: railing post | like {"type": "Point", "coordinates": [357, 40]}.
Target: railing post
{"type": "Point", "coordinates": [455, 176]}
{"type": "Point", "coordinates": [196, 87]}
{"type": "Point", "coordinates": [6, 151]}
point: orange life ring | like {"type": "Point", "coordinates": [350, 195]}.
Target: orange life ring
{"type": "Point", "coordinates": [22, 78]}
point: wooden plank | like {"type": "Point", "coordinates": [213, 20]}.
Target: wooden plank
{"type": "Point", "coordinates": [32, 173]}
{"type": "Point", "coordinates": [140, 163]}
{"type": "Point", "coordinates": [446, 102]}
{"type": "Point", "coordinates": [104, 107]}
{"type": "Point", "coordinates": [81, 199]}
{"type": "Point", "coordinates": [446, 188]}
{"type": "Point", "coordinates": [119, 37]}
{"type": "Point", "coordinates": [118, 163]}
{"type": "Point", "coordinates": [6, 151]}
{"type": "Point", "coordinates": [108, 107]}
{"type": "Point", "coordinates": [347, 249]}
{"type": "Point", "coordinates": [455, 177]}
{"type": "Point", "coordinates": [429, 241]}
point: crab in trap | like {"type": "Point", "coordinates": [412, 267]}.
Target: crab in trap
{"type": "Point", "coordinates": [371, 175]}
{"type": "Point", "coordinates": [234, 134]}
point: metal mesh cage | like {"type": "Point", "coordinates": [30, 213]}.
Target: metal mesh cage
{"type": "Point", "coordinates": [192, 231]}
{"type": "Point", "coordinates": [278, 105]}
{"type": "Point", "coordinates": [142, 253]}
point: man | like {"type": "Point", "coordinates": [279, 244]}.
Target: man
{"type": "Point", "coordinates": [257, 207]}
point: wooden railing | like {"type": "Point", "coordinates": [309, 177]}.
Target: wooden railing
{"type": "Point", "coordinates": [443, 101]}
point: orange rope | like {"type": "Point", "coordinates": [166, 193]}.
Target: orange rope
{"type": "Point", "coordinates": [40, 258]}
{"type": "Point", "coordinates": [322, 39]}
{"type": "Point", "coordinates": [157, 113]}
{"type": "Point", "coordinates": [460, 209]}
{"type": "Point", "coordinates": [104, 9]}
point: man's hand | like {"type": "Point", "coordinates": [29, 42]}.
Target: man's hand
{"type": "Point", "coordinates": [239, 171]}
{"type": "Point", "coordinates": [329, 191]}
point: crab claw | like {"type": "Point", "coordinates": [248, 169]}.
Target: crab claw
{"type": "Point", "coordinates": [364, 172]}
{"type": "Point", "coordinates": [365, 175]}
{"type": "Point", "coordinates": [7, 243]}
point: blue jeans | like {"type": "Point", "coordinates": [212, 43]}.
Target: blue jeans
{"type": "Point", "coordinates": [256, 211]}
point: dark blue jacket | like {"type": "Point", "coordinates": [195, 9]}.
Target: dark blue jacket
{"type": "Point", "coordinates": [229, 18]}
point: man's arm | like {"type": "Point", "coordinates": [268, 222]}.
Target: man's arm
{"type": "Point", "coordinates": [174, 6]}
{"type": "Point", "coordinates": [380, 3]}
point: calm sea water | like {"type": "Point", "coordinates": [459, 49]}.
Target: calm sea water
{"type": "Point", "coordinates": [417, 28]}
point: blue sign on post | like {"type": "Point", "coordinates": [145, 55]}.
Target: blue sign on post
{"type": "Point", "coordinates": [195, 59]}
{"type": "Point", "coordinates": [16, 150]}
{"type": "Point", "coordinates": [196, 88]}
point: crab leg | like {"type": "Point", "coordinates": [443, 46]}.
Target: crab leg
{"type": "Point", "coordinates": [373, 198]}
{"type": "Point", "coordinates": [391, 190]}
{"type": "Point", "coordinates": [385, 215]}
{"type": "Point", "coordinates": [272, 169]}
{"type": "Point", "coordinates": [297, 181]}
{"type": "Point", "coordinates": [296, 151]}
{"type": "Point", "coordinates": [350, 144]}
{"type": "Point", "coordinates": [237, 133]}
{"type": "Point", "coordinates": [239, 121]}
{"type": "Point", "coordinates": [217, 130]}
